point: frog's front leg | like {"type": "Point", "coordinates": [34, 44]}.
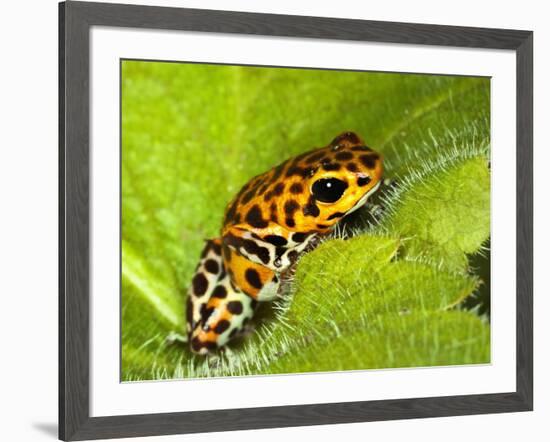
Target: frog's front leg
{"type": "Point", "coordinates": [257, 281]}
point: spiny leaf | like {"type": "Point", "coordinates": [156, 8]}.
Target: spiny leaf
{"type": "Point", "coordinates": [339, 287]}
{"type": "Point", "coordinates": [393, 341]}
{"type": "Point", "coordinates": [342, 280]}
{"type": "Point", "coordinates": [445, 214]}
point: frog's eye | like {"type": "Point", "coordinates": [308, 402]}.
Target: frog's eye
{"type": "Point", "coordinates": [328, 190]}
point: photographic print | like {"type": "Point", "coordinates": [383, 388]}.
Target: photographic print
{"type": "Point", "coordinates": [284, 220]}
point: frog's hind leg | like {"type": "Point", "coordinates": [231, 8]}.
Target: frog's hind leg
{"type": "Point", "coordinates": [224, 316]}
{"type": "Point", "coordinates": [216, 309]}
{"type": "Point", "coordinates": [207, 273]}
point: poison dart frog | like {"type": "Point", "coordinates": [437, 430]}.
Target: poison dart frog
{"type": "Point", "coordinates": [266, 227]}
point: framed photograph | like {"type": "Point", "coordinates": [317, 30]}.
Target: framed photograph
{"type": "Point", "coordinates": [271, 220]}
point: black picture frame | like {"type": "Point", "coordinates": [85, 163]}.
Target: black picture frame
{"type": "Point", "coordinates": [75, 20]}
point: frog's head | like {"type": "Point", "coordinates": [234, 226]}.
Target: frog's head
{"type": "Point", "coordinates": [312, 191]}
{"type": "Point", "coordinates": [341, 177]}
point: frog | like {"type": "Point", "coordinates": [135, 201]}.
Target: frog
{"type": "Point", "coordinates": [266, 227]}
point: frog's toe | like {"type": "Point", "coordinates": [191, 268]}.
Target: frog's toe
{"type": "Point", "coordinates": [174, 337]}
{"type": "Point", "coordinates": [203, 346]}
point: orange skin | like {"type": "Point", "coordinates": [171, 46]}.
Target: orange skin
{"type": "Point", "coordinates": [268, 224]}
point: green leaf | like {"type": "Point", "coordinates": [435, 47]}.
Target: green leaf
{"type": "Point", "coordinates": [344, 279]}
{"type": "Point", "coordinates": [193, 134]}
{"type": "Point", "coordinates": [392, 341]}
{"type": "Point", "coordinates": [340, 288]}
{"type": "Point", "coordinates": [444, 213]}
{"type": "Point", "coordinates": [145, 296]}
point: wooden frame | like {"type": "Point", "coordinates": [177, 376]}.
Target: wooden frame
{"type": "Point", "coordinates": [75, 20]}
